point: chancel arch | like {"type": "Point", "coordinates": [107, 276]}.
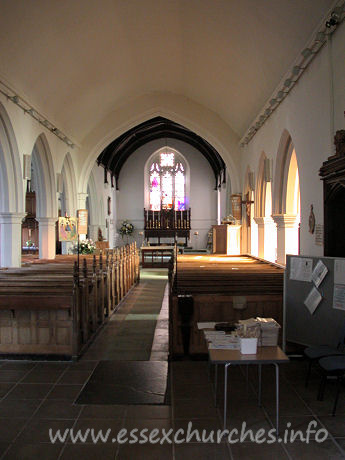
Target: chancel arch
{"type": "Point", "coordinates": [287, 214]}
{"type": "Point", "coordinates": [11, 195]}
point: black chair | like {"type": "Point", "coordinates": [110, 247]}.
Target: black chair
{"type": "Point", "coordinates": [314, 353]}
{"type": "Point", "coordinates": [331, 366]}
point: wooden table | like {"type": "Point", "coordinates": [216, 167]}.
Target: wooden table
{"type": "Point", "coordinates": [153, 256]}
{"type": "Point", "coordinates": [264, 355]}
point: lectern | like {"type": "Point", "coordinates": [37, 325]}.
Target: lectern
{"type": "Point", "coordinates": [226, 239]}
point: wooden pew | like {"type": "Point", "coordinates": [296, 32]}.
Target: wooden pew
{"type": "Point", "coordinates": [212, 288]}
{"type": "Point", "coordinates": [54, 308]}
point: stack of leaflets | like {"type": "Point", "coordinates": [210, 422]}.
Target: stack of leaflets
{"type": "Point", "coordinates": [269, 332]}
{"type": "Point", "coordinates": [220, 340]}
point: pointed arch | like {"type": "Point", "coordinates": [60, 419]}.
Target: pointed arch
{"type": "Point", "coordinates": [260, 195]}
{"type": "Point", "coordinates": [287, 198]}
{"type": "Point", "coordinates": [69, 185]}
{"type": "Point", "coordinates": [267, 229]}
{"type": "Point", "coordinates": [11, 178]}
{"type": "Point", "coordinates": [12, 203]}
{"type": "Point", "coordinates": [94, 217]}
{"type": "Point", "coordinates": [286, 176]}
{"type": "Point", "coordinates": [43, 167]}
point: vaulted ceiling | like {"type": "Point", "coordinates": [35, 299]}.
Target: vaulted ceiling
{"type": "Point", "coordinates": [78, 60]}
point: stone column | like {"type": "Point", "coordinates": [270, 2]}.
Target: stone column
{"type": "Point", "coordinates": [82, 200]}
{"type": "Point", "coordinates": [266, 231]}
{"type": "Point", "coordinates": [11, 239]}
{"type": "Point", "coordinates": [287, 235]}
{"type": "Point", "coordinates": [47, 237]}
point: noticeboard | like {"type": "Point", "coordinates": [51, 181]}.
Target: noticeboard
{"type": "Point", "coordinates": [82, 221]}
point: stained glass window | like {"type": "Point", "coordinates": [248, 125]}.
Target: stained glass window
{"type": "Point", "coordinates": [155, 188]}
{"type": "Point", "coordinates": [179, 191]}
{"type": "Point", "coordinates": [167, 159]}
{"type": "Point", "coordinates": [167, 183]}
{"type": "Point", "coordinates": [167, 191]}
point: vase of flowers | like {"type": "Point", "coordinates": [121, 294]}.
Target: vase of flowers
{"type": "Point", "coordinates": [126, 229]}
{"type": "Point", "coordinates": [85, 247]}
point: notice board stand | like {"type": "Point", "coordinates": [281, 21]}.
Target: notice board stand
{"type": "Point", "coordinates": [326, 324]}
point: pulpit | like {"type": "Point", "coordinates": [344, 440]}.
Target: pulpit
{"type": "Point", "coordinates": [226, 239]}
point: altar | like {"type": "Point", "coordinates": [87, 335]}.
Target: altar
{"type": "Point", "coordinates": [167, 224]}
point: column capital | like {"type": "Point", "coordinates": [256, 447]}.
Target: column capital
{"type": "Point", "coordinates": [12, 217]}
{"type": "Point", "coordinates": [285, 220]}
{"type": "Point", "coordinates": [263, 220]}
{"type": "Point", "coordinates": [46, 220]}
{"type": "Point", "coordinates": [82, 200]}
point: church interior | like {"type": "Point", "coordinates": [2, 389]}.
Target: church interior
{"type": "Point", "coordinates": [172, 255]}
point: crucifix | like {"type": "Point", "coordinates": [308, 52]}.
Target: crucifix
{"type": "Point", "coordinates": [248, 204]}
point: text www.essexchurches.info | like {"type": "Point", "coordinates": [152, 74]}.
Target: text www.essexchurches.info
{"type": "Point", "coordinates": [161, 436]}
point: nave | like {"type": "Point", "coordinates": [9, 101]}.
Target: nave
{"type": "Point", "coordinates": [37, 395]}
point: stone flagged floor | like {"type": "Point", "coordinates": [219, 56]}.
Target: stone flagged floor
{"type": "Point", "coordinates": [37, 395]}
{"type": "Point", "coordinates": [129, 334]}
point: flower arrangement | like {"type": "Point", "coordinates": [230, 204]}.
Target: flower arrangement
{"type": "Point", "coordinates": [126, 228]}
{"type": "Point", "coordinates": [85, 247]}
{"type": "Point", "coordinates": [29, 244]}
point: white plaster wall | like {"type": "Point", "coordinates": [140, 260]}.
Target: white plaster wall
{"type": "Point", "coordinates": [203, 197]}
{"type": "Point", "coordinates": [306, 114]}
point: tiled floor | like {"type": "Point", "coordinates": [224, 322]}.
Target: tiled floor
{"type": "Point", "coordinates": [40, 395]}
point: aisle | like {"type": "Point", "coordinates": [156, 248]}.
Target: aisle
{"type": "Point", "coordinates": [129, 334]}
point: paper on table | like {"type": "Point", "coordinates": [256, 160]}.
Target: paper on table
{"type": "Point", "coordinates": [319, 273]}
{"type": "Point", "coordinates": [313, 299]}
{"type": "Point", "coordinates": [223, 346]}
{"type": "Point", "coordinates": [339, 271]}
{"type": "Point", "coordinates": [209, 325]}
{"type": "Point", "coordinates": [301, 268]}
{"type": "Point", "coordinates": [226, 342]}
{"type": "Point", "coordinates": [339, 297]}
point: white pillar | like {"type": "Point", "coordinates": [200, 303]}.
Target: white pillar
{"type": "Point", "coordinates": [287, 235]}
{"type": "Point", "coordinates": [11, 239]}
{"type": "Point", "coordinates": [261, 236]}
{"type": "Point", "coordinates": [82, 200]}
{"type": "Point", "coordinates": [267, 238]}
{"type": "Point", "coordinates": [47, 237]}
